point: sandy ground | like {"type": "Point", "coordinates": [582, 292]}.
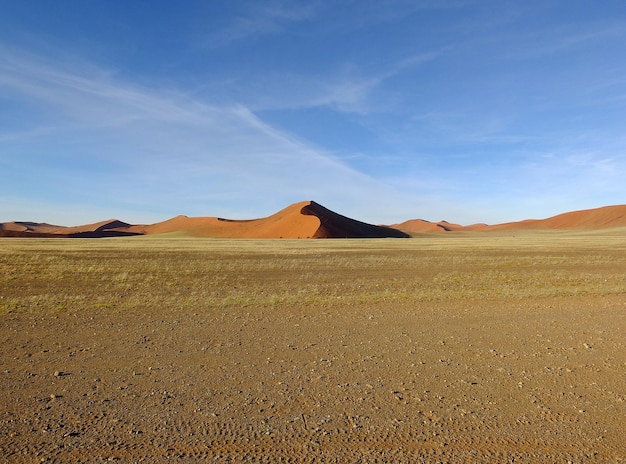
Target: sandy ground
{"type": "Point", "coordinates": [428, 376]}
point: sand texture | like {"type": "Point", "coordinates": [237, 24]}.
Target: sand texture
{"type": "Point", "coordinates": [469, 349]}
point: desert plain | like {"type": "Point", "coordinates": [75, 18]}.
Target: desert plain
{"type": "Point", "coordinates": [461, 348]}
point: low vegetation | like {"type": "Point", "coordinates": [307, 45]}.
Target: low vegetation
{"type": "Point", "coordinates": [137, 273]}
{"type": "Point", "coordinates": [458, 348]}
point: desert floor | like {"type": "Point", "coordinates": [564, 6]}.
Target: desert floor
{"type": "Point", "coordinates": [462, 348]}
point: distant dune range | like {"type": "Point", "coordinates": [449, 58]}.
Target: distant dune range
{"type": "Point", "coordinates": [301, 220]}
{"type": "Point", "coordinates": [311, 220]}
{"type": "Point", "coordinates": [606, 217]}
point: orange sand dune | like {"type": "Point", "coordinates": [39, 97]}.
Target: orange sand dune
{"type": "Point", "coordinates": [306, 219]}
{"type": "Point", "coordinates": [111, 227]}
{"type": "Point", "coordinates": [423, 226]}
{"type": "Point", "coordinates": [25, 226]}
{"type": "Point", "coordinates": [597, 218]}
{"type": "Point", "coordinates": [287, 223]}
{"type": "Point", "coordinates": [27, 229]}
{"type": "Point", "coordinates": [301, 220]}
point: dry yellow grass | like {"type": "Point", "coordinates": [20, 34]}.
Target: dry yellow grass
{"type": "Point", "coordinates": [462, 348]}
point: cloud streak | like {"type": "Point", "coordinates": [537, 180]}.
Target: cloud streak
{"type": "Point", "coordinates": [257, 19]}
{"type": "Point", "coordinates": [165, 147]}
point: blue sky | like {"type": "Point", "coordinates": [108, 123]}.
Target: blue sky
{"type": "Point", "coordinates": [469, 111]}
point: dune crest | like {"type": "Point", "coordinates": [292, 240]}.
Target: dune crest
{"type": "Point", "coordinates": [305, 219]}
{"type": "Point", "coordinates": [597, 218]}
{"type": "Point", "coordinates": [287, 223]}
{"type": "Point", "coordinates": [333, 225]}
{"type": "Point", "coordinates": [424, 226]}
{"type": "Point", "coordinates": [108, 228]}
{"type": "Point", "coordinates": [589, 219]}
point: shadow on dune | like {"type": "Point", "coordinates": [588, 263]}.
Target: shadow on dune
{"type": "Point", "coordinates": [333, 225]}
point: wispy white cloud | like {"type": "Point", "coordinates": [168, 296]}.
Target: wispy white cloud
{"type": "Point", "coordinates": [258, 19]}
{"type": "Point", "coordinates": [549, 41]}
{"type": "Point", "coordinates": [584, 168]}
{"type": "Point", "coordinates": [88, 98]}
{"type": "Point", "coordinates": [348, 88]}
{"type": "Point", "coordinates": [164, 147]}
{"type": "Point", "coordinates": [356, 16]}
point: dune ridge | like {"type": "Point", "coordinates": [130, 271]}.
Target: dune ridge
{"type": "Point", "coordinates": [424, 226]}
{"type": "Point", "coordinates": [308, 219]}
{"type": "Point", "coordinates": [605, 217]}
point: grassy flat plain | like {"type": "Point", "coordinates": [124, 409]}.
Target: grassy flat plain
{"type": "Point", "coordinates": [451, 348]}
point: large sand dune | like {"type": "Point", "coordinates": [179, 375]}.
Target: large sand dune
{"type": "Point", "coordinates": [306, 219]}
